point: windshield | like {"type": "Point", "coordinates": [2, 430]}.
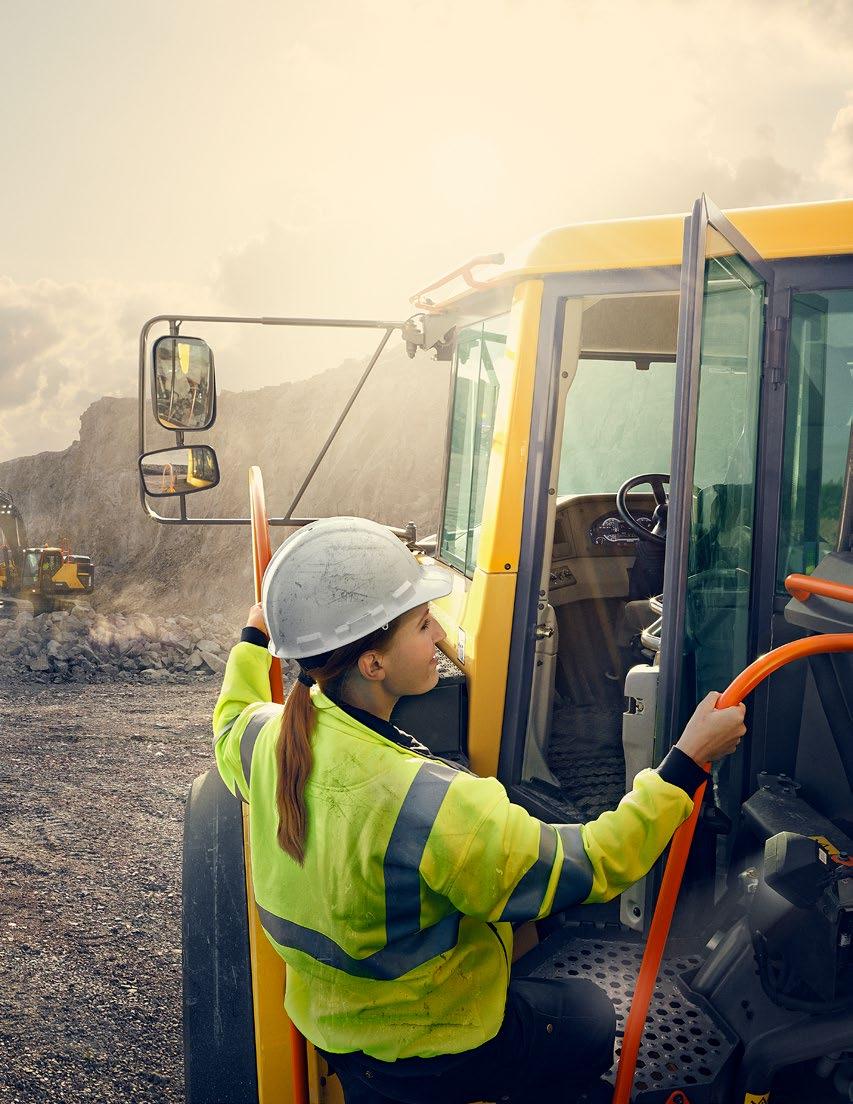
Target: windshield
{"type": "Point", "coordinates": [31, 565]}
{"type": "Point", "coordinates": [478, 370]}
{"type": "Point", "coordinates": [618, 423]}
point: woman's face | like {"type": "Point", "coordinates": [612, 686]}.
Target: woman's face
{"type": "Point", "coordinates": [410, 662]}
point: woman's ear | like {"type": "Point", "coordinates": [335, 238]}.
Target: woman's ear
{"type": "Point", "coordinates": [370, 666]}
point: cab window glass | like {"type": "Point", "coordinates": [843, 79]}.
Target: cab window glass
{"type": "Point", "coordinates": [618, 423]}
{"type": "Point", "coordinates": [721, 527]}
{"type": "Point", "coordinates": [478, 367]}
{"type": "Point", "coordinates": [817, 429]}
{"type": "Point", "coordinates": [31, 565]}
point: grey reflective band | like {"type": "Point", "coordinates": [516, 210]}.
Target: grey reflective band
{"type": "Point", "coordinates": [528, 895]}
{"type": "Point", "coordinates": [387, 964]}
{"type": "Point", "coordinates": [406, 848]}
{"type": "Point", "coordinates": [576, 872]}
{"type": "Point", "coordinates": [408, 946]}
{"type": "Point", "coordinates": [250, 734]}
{"type": "Point", "coordinates": [226, 730]}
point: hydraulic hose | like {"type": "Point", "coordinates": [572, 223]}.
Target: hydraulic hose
{"type": "Point", "coordinates": [801, 587]}
{"type": "Point", "coordinates": [261, 555]}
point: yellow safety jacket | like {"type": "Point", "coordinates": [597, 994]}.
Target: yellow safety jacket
{"type": "Point", "coordinates": [396, 930]}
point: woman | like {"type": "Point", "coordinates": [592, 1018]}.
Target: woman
{"type": "Point", "coordinates": [388, 880]}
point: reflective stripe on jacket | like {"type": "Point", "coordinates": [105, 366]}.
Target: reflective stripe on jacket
{"type": "Point", "coordinates": [396, 929]}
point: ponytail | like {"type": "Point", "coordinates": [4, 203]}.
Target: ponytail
{"type": "Point", "coordinates": [293, 752]}
{"type": "Point", "coordinates": [294, 766]}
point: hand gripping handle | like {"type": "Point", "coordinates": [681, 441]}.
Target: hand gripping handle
{"type": "Point", "coordinates": [801, 587]}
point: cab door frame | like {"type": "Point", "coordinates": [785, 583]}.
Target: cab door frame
{"type": "Point", "coordinates": [705, 216]}
{"type": "Point", "coordinates": [769, 629]}
{"type": "Point", "coordinates": [539, 498]}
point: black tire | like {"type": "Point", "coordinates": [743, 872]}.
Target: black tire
{"type": "Point", "coordinates": [220, 1064]}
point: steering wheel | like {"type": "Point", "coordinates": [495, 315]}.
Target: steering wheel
{"type": "Point", "coordinates": [657, 534]}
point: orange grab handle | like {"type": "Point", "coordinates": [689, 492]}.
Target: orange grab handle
{"type": "Point", "coordinates": [465, 272]}
{"type": "Point", "coordinates": [801, 586]}
{"type": "Point", "coordinates": [261, 555]}
{"type": "Point", "coordinates": [680, 847]}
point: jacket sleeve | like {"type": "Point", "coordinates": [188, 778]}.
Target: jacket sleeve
{"type": "Point", "coordinates": [495, 861]}
{"type": "Point", "coordinates": [245, 691]}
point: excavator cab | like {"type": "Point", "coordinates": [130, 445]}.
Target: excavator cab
{"type": "Point", "coordinates": [647, 431]}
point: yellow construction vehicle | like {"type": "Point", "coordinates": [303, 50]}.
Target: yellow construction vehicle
{"type": "Point", "coordinates": [47, 577]}
{"type": "Point", "coordinates": [710, 354]}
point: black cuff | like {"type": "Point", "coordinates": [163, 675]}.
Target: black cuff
{"type": "Point", "coordinates": [251, 635]}
{"type": "Point", "coordinates": [680, 770]}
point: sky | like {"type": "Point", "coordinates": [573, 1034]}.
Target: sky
{"type": "Point", "coordinates": [332, 158]}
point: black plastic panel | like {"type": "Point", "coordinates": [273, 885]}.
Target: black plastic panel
{"type": "Point", "coordinates": [775, 808]}
{"type": "Point", "coordinates": [439, 718]}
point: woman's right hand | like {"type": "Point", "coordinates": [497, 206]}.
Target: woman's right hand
{"type": "Point", "coordinates": [255, 620]}
{"type": "Point", "coordinates": [712, 733]}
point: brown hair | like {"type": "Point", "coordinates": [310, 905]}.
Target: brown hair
{"type": "Point", "coordinates": [294, 742]}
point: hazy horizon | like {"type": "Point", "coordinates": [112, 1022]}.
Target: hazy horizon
{"type": "Point", "coordinates": [289, 159]}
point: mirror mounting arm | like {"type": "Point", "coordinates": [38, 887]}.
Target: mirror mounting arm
{"type": "Point", "coordinates": [175, 322]}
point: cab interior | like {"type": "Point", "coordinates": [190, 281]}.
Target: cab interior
{"type": "Point", "coordinates": [614, 422]}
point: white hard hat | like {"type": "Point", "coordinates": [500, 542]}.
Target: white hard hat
{"type": "Point", "coordinates": [339, 579]}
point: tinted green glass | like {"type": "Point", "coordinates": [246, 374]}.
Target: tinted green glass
{"type": "Point", "coordinates": [618, 423]}
{"type": "Point", "coordinates": [721, 523]}
{"type": "Point", "coordinates": [817, 429]}
{"type": "Point", "coordinates": [477, 376]}
{"type": "Point", "coordinates": [720, 556]}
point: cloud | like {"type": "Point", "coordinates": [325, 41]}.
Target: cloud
{"type": "Point", "coordinates": [346, 159]}
{"type": "Point", "coordinates": [62, 346]}
{"type": "Point", "coordinates": [837, 166]}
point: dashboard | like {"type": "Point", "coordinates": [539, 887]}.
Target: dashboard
{"type": "Point", "coordinates": [593, 547]}
{"type": "Point", "coordinates": [610, 529]}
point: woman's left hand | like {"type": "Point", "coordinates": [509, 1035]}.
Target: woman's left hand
{"type": "Point", "coordinates": [255, 619]}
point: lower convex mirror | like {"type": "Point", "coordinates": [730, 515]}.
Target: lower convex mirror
{"type": "Point", "coordinates": [178, 471]}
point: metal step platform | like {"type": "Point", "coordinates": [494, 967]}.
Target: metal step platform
{"type": "Point", "coordinates": [686, 1045]}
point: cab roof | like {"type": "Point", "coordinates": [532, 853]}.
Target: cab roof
{"type": "Point", "coordinates": [793, 230]}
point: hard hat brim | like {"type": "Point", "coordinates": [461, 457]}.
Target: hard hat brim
{"type": "Point", "coordinates": [434, 582]}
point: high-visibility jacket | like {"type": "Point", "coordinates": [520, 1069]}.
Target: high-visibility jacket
{"type": "Point", "coordinates": [396, 929]}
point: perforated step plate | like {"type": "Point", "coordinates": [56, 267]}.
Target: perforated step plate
{"type": "Point", "coordinates": [685, 1045]}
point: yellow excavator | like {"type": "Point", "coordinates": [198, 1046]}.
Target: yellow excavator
{"type": "Point", "coordinates": [46, 576]}
{"type": "Point", "coordinates": [648, 437]}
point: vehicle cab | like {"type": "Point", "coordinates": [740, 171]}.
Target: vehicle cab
{"type": "Point", "coordinates": [648, 430]}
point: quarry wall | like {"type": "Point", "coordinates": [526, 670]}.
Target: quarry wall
{"type": "Point", "coordinates": [385, 464]}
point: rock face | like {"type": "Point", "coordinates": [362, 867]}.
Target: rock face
{"type": "Point", "coordinates": [86, 646]}
{"type": "Point", "coordinates": [385, 464]}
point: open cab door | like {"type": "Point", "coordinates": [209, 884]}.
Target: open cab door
{"type": "Point", "coordinates": [725, 288]}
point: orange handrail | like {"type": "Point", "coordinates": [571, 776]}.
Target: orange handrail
{"type": "Point", "coordinates": [261, 555]}
{"type": "Point", "coordinates": [463, 271]}
{"type": "Point", "coordinates": [679, 850]}
{"type": "Point", "coordinates": [801, 586]}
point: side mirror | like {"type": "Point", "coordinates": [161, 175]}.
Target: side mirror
{"type": "Point", "coordinates": [179, 471]}
{"type": "Point", "coordinates": [184, 385]}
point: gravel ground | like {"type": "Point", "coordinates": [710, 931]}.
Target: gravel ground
{"type": "Point", "coordinates": [93, 781]}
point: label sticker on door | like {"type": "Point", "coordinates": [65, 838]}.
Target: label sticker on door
{"type": "Point", "coordinates": [460, 645]}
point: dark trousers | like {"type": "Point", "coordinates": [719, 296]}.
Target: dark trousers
{"type": "Point", "coordinates": [557, 1037]}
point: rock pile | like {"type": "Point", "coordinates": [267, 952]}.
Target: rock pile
{"type": "Point", "coordinates": [81, 645]}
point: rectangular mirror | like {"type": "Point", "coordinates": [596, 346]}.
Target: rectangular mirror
{"type": "Point", "coordinates": [184, 387]}
{"type": "Point", "coordinates": [179, 471]}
